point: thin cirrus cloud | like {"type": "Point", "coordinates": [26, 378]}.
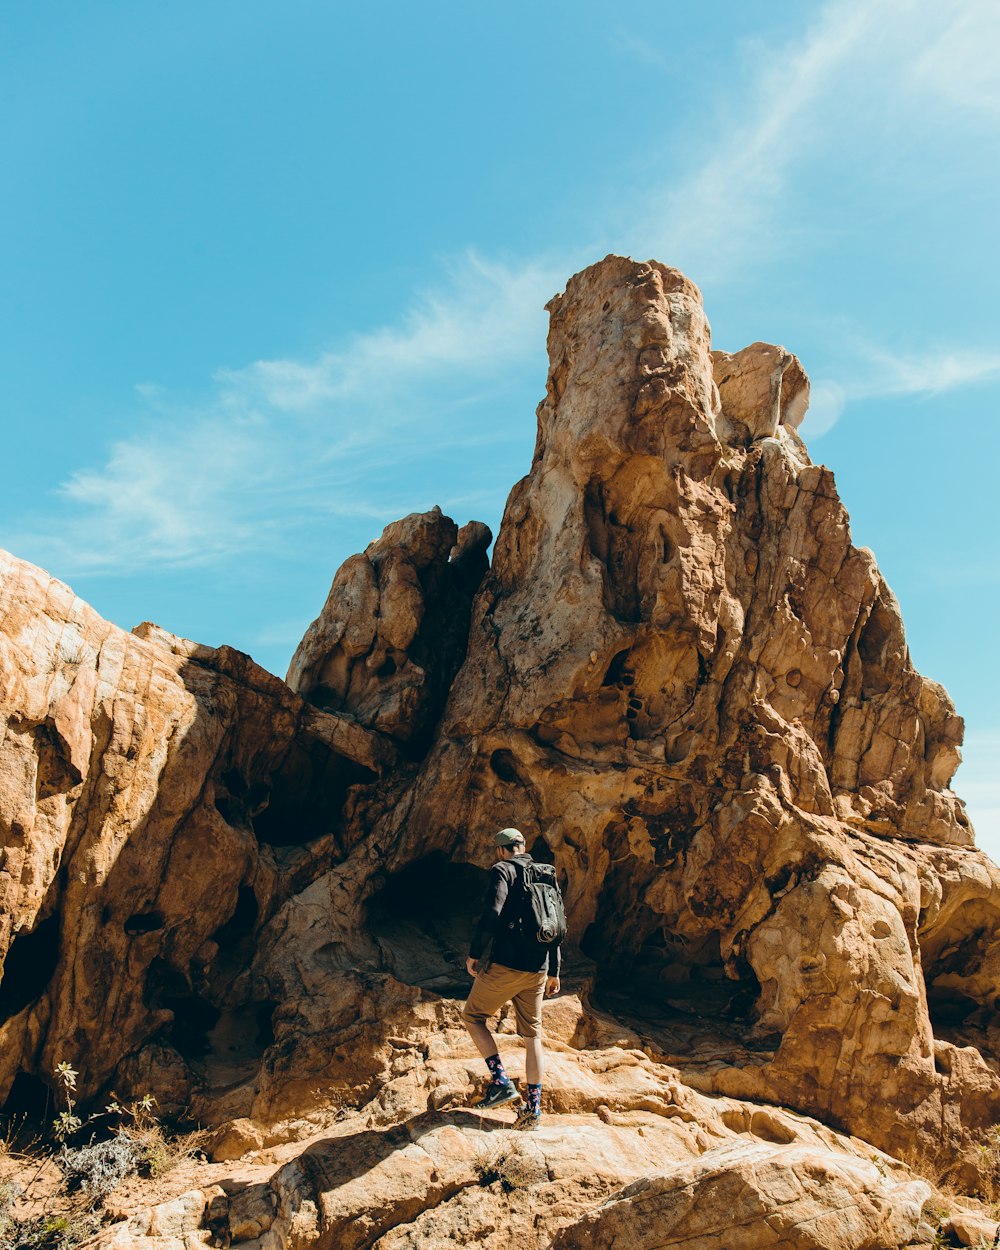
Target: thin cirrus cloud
{"type": "Point", "coordinates": [271, 444]}
{"type": "Point", "coordinates": [885, 374]}
{"type": "Point", "coordinates": [726, 212]}
{"type": "Point", "coordinates": [282, 441]}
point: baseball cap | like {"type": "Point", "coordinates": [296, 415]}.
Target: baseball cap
{"type": "Point", "coordinates": [507, 837]}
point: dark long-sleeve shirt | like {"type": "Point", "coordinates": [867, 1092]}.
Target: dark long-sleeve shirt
{"type": "Point", "coordinates": [497, 924]}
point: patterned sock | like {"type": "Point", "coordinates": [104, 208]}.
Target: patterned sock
{"type": "Point", "coordinates": [497, 1070]}
{"type": "Point", "coordinates": [535, 1099]}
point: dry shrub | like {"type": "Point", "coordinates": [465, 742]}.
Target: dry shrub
{"type": "Point", "coordinates": [506, 1161]}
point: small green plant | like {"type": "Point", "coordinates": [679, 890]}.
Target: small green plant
{"type": "Point", "coordinates": [56, 1201]}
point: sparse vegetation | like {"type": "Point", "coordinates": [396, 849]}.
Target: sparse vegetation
{"type": "Point", "coordinates": [505, 1163]}
{"type": "Point", "coordinates": [52, 1198]}
{"type": "Point", "coordinates": [989, 1150]}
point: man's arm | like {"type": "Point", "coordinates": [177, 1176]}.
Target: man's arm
{"type": "Point", "coordinates": [553, 967]}
{"type": "Point", "coordinates": [496, 896]}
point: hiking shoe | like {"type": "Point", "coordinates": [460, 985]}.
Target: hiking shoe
{"type": "Point", "coordinates": [498, 1093]}
{"type": "Point", "coordinates": [528, 1120]}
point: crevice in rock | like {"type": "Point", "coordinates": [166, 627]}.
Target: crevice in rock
{"type": "Point", "coordinates": [242, 922]}
{"type": "Point", "coordinates": [874, 636]}
{"type": "Point", "coordinates": [56, 774]}
{"type": "Point", "coordinates": [29, 967]}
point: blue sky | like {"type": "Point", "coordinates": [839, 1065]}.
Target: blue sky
{"type": "Point", "coordinates": [274, 275]}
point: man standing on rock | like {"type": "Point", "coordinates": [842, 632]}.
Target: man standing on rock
{"type": "Point", "coordinates": [520, 969]}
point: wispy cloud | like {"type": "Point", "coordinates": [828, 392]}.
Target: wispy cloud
{"type": "Point", "coordinates": [282, 442]}
{"type": "Point", "coordinates": [724, 213]}
{"type": "Point", "coordinates": [864, 74]}
{"type": "Point", "coordinates": [876, 373]}
{"type": "Point", "coordinates": [929, 372]}
{"type": "Point", "coordinates": [962, 64]}
{"type": "Point", "coordinates": [279, 442]}
{"type": "Point", "coordinates": [484, 316]}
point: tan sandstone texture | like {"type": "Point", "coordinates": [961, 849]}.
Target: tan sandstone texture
{"type": "Point", "coordinates": [690, 690]}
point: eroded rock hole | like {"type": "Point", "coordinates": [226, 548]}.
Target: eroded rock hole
{"type": "Point", "coordinates": [236, 1041]}
{"type": "Point", "coordinates": [542, 852]}
{"type": "Point", "coordinates": [504, 765]}
{"type": "Point", "coordinates": [616, 670]}
{"type": "Point", "coordinates": [144, 922]}
{"type": "Point", "coordinates": [959, 1009]}
{"type": "Point", "coordinates": [194, 1019]}
{"type": "Point", "coordinates": [29, 967]}
{"type": "Point", "coordinates": [237, 801]}
{"type": "Point", "coordinates": [56, 774]}
{"type": "Point", "coordinates": [242, 922]}
{"type": "Point", "coordinates": [872, 648]}
{"type": "Point", "coordinates": [29, 1101]}
{"type": "Point", "coordinates": [678, 988]}
{"type": "Point", "coordinates": [422, 920]}
{"type": "Point", "coordinates": [949, 1008]}
{"type": "Point", "coordinates": [307, 795]}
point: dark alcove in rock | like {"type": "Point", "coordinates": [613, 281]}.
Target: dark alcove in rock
{"type": "Point", "coordinates": [422, 920]}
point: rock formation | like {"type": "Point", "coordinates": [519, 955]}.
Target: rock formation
{"type": "Point", "coordinates": [692, 692]}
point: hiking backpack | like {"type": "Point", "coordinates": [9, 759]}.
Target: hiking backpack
{"type": "Point", "coordinates": [541, 918]}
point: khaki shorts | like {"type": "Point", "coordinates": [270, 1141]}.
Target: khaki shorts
{"type": "Point", "coordinates": [499, 985]}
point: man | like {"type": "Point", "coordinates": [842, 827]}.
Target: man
{"type": "Point", "coordinates": [520, 970]}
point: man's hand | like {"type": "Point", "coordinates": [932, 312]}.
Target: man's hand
{"type": "Point", "coordinates": [551, 986]}
{"type": "Point", "coordinates": [471, 967]}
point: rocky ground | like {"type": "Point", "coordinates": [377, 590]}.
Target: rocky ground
{"type": "Point", "coordinates": [250, 899]}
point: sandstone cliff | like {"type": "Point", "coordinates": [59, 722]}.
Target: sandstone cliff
{"type": "Point", "coordinates": [692, 692]}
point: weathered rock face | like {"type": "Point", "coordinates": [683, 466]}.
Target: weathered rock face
{"type": "Point", "coordinates": [392, 633]}
{"type": "Point", "coordinates": [155, 797]}
{"type": "Point", "coordinates": [691, 691]}
{"type": "Point", "coordinates": [687, 684]}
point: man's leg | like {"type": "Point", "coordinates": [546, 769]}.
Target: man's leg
{"type": "Point", "coordinates": [489, 993]}
{"type": "Point", "coordinates": [483, 1038]}
{"type": "Point", "coordinates": [528, 1010]}
{"type": "Point", "coordinates": [534, 1063]}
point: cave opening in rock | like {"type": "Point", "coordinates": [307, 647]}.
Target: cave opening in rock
{"type": "Point", "coordinates": [961, 1008]}
{"type": "Point", "coordinates": [616, 670]}
{"type": "Point", "coordinates": [876, 633]}
{"type": "Point", "coordinates": [422, 920]}
{"type": "Point", "coordinates": [678, 988]}
{"type": "Point", "coordinates": [29, 967]}
{"type": "Point", "coordinates": [307, 795]}
{"type": "Point", "coordinates": [235, 1043]}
